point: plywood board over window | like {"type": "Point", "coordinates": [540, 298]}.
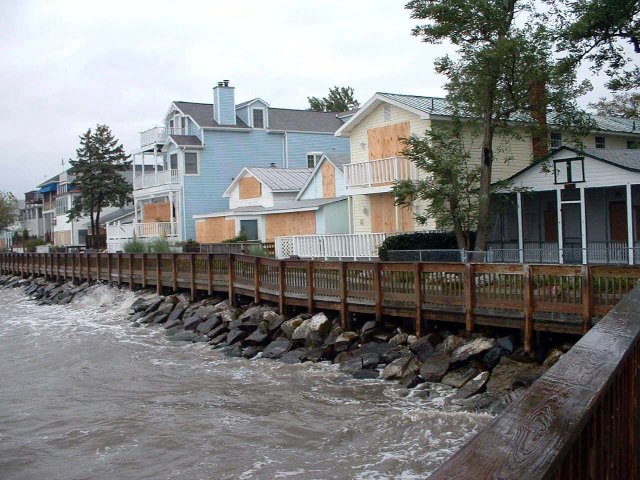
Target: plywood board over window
{"type": "Point", "coordinates": [156, 212]}
{"type": "Point", "coordinates": [284, 224]}
{"type": "Point", "coordinates": [249, 187]}
{"type": "Point", "coordinates": [328, 180]}
{"type": "Point", "coordinates": [383, 213]}
{"type": "Point", "coordinates": [215, 230]}
{"type": "Point", "coordinates": [385, 142]}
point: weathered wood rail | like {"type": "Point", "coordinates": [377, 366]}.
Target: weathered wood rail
{"type": "Point", "coordinates": [558, 298]}
{"type": "Point", "coordinates": [580, 420]}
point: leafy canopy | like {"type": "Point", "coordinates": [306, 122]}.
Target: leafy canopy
{"type": "Point", "coordinates": [625, 104]}
{"type": "Point", "coordinates": [97, 173]}
{"type": "Point", "coordinates": [340, 99]}
{"type": "Point", "coordinates": [9, 210]}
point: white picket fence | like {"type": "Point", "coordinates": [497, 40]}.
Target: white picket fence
{"type": "Point", "coordinates": [331, 246]}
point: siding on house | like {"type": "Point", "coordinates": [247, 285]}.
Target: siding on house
{"type": "Point", "coordinates": [299, 144]}
{"type": "Point", "coordinates": [315, 189]}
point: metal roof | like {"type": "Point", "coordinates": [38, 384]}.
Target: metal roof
{"type": "Point", "coordinates": [339, 159]}
{"type": "Point", "coordinates": [312, 204]}
{"type": "Point", "coordinates": [186, 140]}
{"type": "Point", "coordinates": [117, 215]}
{"type": "Point", "coordinates": [281, 179]}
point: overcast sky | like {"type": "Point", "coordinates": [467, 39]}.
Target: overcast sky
{"type": "Point", "coordinates": [68, 65]}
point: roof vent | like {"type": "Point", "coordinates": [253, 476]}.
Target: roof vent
{"type": "Point", "coordinates": [272, 165]}
{"type": "Point", "coordinates": [226, 83]}
{"type": "Point", "coordinates": [634, 125]}
{"type": "Point", "coordinates": [221, 84]}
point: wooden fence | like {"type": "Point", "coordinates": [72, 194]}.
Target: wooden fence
{"type": "Point", "coordinates": [558, 298]}
{"type": "Point", "coordinates": [580, 420]}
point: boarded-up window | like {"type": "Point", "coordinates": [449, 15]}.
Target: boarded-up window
{"type": "Point", "coordinates": [383, 213]}
{"type": "Point", "coordinates": [249, 187]}
{"type": "Point", "coordinates": [384, 142]}
{"type": "Point", "coordinates": [215, 230]}
{"type": "Point", "coordinates": [285, 224]}
{"type": "Point", "coordinates": [328, 180]}
{"type": "Point", "coordinates": [156, 212]}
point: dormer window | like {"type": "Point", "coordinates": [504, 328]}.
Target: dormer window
{"type": "Point", "coordinates": [556, 139]}
{"type": "Point", "coordinates": [313, 158]}
{"type": "Point", "coordinates": [258, 117]}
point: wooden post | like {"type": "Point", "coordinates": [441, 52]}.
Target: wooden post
{"type": "Point", "coordinates": [310, 286]}
{"type": "Point", "coordinates": [109, 268]}
{"type": "Point", "coordinates": [174, 271]}
{"type": "Point", "coordinates": [281, 287]}
{"type": "Point", "coordinates": [131, 258]}
{"type": "Point", "coordinates": [65, 266]}
{"type": "Point", "coordinates": [469, 295]}
{"type": "Point", "coordinates": [144, 271]}
{"type": "Point", "coordinates": [377, 288]}
{"type": "Point", "coordinates": [417, 277]}
{"type": "Point", "coordinates": [88, 256]}
{"type": "Point", "coordinates": [256, 279]}
{"type": "Point", "coordinates": [587, 300]}
{"type": "Point", "coordinates": [230, 277]}
{"type": "Point", "coordinates": [344, 319]}
{"type": "Point", "coordinates": [192, 270]}
{"type": "Point", "coordinates": [98, 266]}
{"type": "Point", "coordinates": [119, 268]}
{"type": "Point", "coordinates": [158, 274]}
{"type": "Point", "coordinates": [209, 275]}
{"type": "Point", "coordinates": [528, 307]}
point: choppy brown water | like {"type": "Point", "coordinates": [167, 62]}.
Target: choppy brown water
{"type": "Point", "coordinates": [85, 396]}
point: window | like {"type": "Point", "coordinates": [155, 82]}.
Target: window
{"type": "Point", "coordinates": [249, 228]}
{"type": "Point", "coordinates": [183, 121]}
{"type": "Point", "coordinates": [61, 206]}
{"type": "Point", "coordinates": [600, 142]}
{"type": "Point", "coordinates": [556, 139]}
{"type": "Point", "coordinates": [570, 170]}
{"type": "Point", "coordinates": [191, 163]}
{"type": "Point", "coordinates": [312, 159]}
{"type": "Point", "coordinates": [258, 118]}
{"type": "Point", "coordinates": [173, 160]}
{"type": "Point", "coordinates": [633, 144]}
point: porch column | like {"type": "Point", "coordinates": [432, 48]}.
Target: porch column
{"type": "Point", "coordinates": [559, 215]}
{"type": "Point", "coordinates": [583, 225]}
{"type": "Point", "coordinates": [133, 167]}
{"type": "Point", "coordinates": [520, 232]}
{"type": "Point", "coordinates": [155, 163]}
{"type": "Point", "coordinates": [142, 169]}
{"type": "Point", "coordinates": [630, 225]}
{"type": "Point", "coordinates": [171, 215]}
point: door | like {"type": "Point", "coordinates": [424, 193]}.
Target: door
{"type": "Point", "coordinates": [618, 221]}
{"type": "Point", "coordinates": [550, 225]}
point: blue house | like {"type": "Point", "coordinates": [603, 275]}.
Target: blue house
{"type": "Point", "coordinates": [201, 147]}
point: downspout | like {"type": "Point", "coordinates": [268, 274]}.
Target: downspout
{"type": "Point", "coordinates": [286, 150]}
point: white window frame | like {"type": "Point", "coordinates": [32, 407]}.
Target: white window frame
{"type": "Point", "coordinates": [264, 117]}
{"type": "Point", "coordinates": [184, 156]}
{"type": "Point", "coordinates": [551, 140]}
{"type": "Point", "coordinates": [317, 156]}
{"type": "Point", "coordinates": [604, 141]}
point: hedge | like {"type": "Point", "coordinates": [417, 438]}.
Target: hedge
{"type": "Point", "coordinates": [418, 241]}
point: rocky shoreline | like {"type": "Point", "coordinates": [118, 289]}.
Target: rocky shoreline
{"type": "Point", "coordinates": [482, 373]}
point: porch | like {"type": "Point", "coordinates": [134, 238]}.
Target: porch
{"type": "Point", "coordinates": [120, 233]}
{"type": "Point", "coordinates": [378, 176]}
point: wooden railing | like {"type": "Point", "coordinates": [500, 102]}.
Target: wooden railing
{"type": "Point", "coordinates": [580, 420]}
{"type": "Point", "coordinates": [559, 298]}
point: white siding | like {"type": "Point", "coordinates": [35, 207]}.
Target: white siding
{"type": "Point", "coordinates": [314, 189]}
{"type": "Point", "coordinates": [265, 200]}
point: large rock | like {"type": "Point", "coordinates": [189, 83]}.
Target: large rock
{"type": "Point", "coordinates": [552, 357]}
{"type": "Point", "coordinates": [425, 347]}
{"type": "Point", "coordinates": [400, 368]}
{"type": "Point", "coordinates": [289, 326]}
{"type": "Point", "coordinates": [435, 367]}
{"type": "Point", "coordinates": [214, 332]}
{"type": "Point", "coordinates": [228, 315]}
{"type": "Point", "coordinates": [458, 377]}
{"type": "Point", "coordinates": [153, 305]}
{"type": "Point", "coordinates": [513, 372]}
{"type": "Point", "coordinates": [275, 322]}
{"type": "Point", "coordinates": [359, 362]}
{"type": "Point", "coordinates": [365, 374]}
{"type": "Point", "coordinates": [395, 353]}
{"type": "Point", "coordinates": [250, 352]}
{"type": "Point", "coordinates": [472, 348]}
{"type": "Point", "coordinates": [208, 325]}
{"type": "Point", "coordinates": [345, 340]}
{"type": "Point", "coordinates": [218, 339]}
{"type": "Point", "coordinates": [368, 327]}
{"type": "Point", "coordinates": [374, 347]}
{"type": "Point", "coordinates": [177, 312]}
{"type": "Point", "coordinates": [256, 338]}
{"type": "Point", "coordinates": [318, 326]}
{"type": "Point", "coordinates": [473, 386]}
{"type": "Point", "coordinates": [491, 357]}
{"type": "Point", "coordinates": [192, 322]}
{"type": "Point", "coordinates": [449, 344]}
{"type": "Point", "coordinates": [508, 343]}
{"type": "Point", "coordinates": [277, 348]}
{"type": "Point", "coordinates": [235, 336]}
{"type": "Point", "coordinates": [411, 381]}
{"type": "Point", "coordinates": [184, 337]}
{"type": "Point", "coordinates": [293, 356]}
{"type": "Point", "coordinates": [399, 339]}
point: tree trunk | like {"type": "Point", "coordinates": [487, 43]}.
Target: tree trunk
{"type": "Point", "coordinates": [485, 176]}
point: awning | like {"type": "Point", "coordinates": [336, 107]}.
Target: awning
{"type": "Point", "coordinates": [52, 187]}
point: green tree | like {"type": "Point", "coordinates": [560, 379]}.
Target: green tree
{"type": "Point", "coordinates": [602, 32]}
{"type": "Point", "coordinates": [626, 104]}
{"type": "Point", "coordinates": [502, 76]}
{"type": "Point", "coordinates": [450, 184]}
{"type": "Point", "coordinates": [97, 172]}
{"type": "Point", "coordinates": [340, 99]}
{"type": "Point", "coordinates": [9, 210]}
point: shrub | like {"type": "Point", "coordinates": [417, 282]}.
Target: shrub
{"type": "Point", "coordinates": [159, 245]}
{"type": "Point", "coordinates": [30, 245]}
{"type": "Point", "coordinates": [258, 251]}
{"type": "Point", "coordinates": [419, 241]}
{"type": "Point", "coordinates": [240, 238]}
{"type": "Point", "coordinates": [134, 246]}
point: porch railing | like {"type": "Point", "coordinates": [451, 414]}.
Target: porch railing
{"type": "Point", "coordinates": [603, 253]}
{"type": "Point", "coordinates": [164, 177]}
{"type": "Point", "coordinates": [331, 246]}
{"type": "Point", "coordinates": [376, 173]}
{"type": "Point", "coordinates": [158, 135]}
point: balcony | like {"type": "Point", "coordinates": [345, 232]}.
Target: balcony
{"type": "Point", "coordinates": [377, 176]}
{"type": "Point", "coordinates": [118, 234]}
{"type": "Point", "coordinates": [158, 135]}
{"type": "Point", "coordinates": [164, 177]}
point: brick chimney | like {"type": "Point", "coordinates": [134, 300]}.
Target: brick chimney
{"type": "Point", "coordinates": [224, 103]}
{"type": "Point", "coordinates": [540, 132]}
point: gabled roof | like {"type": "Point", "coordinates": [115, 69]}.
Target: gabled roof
{"type": "Point", "coordinates": [53, 179]}
{"type": "Point", "coordinates": [627, 159]}
{"type": "Point", "coordinates": [292, 206]}
{"type": "Point", "coordinates": [117, 215]}
{"type": "Point", "coordinates": [339, 160]}
{"type": "Point", "coordinates": [249, 102]}
{"type": "Point", "coordinates": [275, 179]}
{"type": "Point", "coordinates": [303, 120]}
{"type": "Point", "coordinates": [427, 107]}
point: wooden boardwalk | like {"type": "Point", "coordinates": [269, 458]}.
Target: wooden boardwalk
{"type": "Point", "coordinates": [554, 298]}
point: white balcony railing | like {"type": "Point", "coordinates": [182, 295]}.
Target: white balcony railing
{"type": "Point", "coordinates": [163, 177]}
{"type": "Point", "coordinates": [378, 173]}
{"type": "Point", "coordinates": [331, 246]}
{"type": "Point", "coordinates": [158, 135]}
{"type": "Point", "coordinates": [118, 234]}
